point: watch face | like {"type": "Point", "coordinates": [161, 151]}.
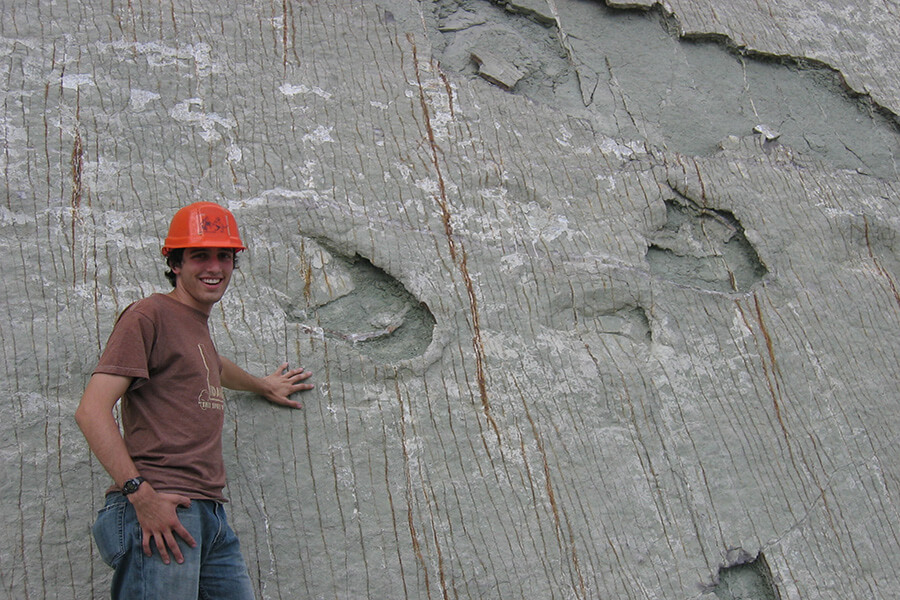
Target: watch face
{"type": "Point", "coordinates": [131, 486]}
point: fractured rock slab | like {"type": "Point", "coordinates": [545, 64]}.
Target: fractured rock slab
{"type": "Point", "coordinates": [497, 70]}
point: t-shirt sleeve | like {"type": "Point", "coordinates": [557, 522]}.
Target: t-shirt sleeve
{"type": "Point", "coordinates": [128, 349]}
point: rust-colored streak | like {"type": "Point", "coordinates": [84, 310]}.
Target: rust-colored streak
{"type": "Point", "coordinates": [77, 171]}
{"type": "Point", "coordinates": [700, 179]}
{"type": "Point", "coordinates": [387, 480]}
{"type": "Point", "coordinates": [770, 368]}
{"type": "Point", "coordinates": [442, 574]}
{"type": "Point", "coordinates": [449, 89]}
{"type": "Point", "coordinates": [765, 332]}
{"type": "Point", "coordinates": [442, 191]}
{"type": "Point", "coordinates": [773, 373]}
{"type": "Point", "coordinates": [306, 272]}
{"type": "Point", "coordinates": [881, 270]}
{"type": "Point", "coordinates": [284, 34]}
{"type": "Point", "coordinates": [410, 520]}
{"type": "Point", "coordinates": [457, 256]}
{"type": "Point", "coordinates": [478, 347]}
{"type": "Point", "coordinates": [572, 550]}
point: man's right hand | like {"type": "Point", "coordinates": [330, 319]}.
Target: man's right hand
{"type": "Point", "coordinates": [155, 511]}
{"type": "Point", "coordinates": [159, 521]}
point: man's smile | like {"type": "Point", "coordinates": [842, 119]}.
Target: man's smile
{"type": "Point", "coordinates": [203, 276]}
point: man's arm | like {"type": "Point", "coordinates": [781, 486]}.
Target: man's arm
{"type": "Point", "coordinates": [95, 418]}
{"type": "Point", "coordinates": [155, 511]}
{"type": "Point", "coordinates": [275, 387]}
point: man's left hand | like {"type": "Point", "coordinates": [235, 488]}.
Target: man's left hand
{"type": "Point", "coordinates": [283, 382]}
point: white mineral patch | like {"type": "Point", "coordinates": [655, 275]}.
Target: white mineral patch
{"type": "Point", "coordinates": [767, 132]}
{"type": "Point", "coordinates": [276, 197]}
{"type": "Point", "coordinates": [292, 90]}
{"type": "Point", "coordinates": [320, 135]}
{"type": "Point", "coordinates": [75, 80]}
{"type": "Point", "coordinates": [234, 153]}
{"type": "Point", "coordinates": [140, 98]}
{"type": "Point", "coordinates": [186, 112]}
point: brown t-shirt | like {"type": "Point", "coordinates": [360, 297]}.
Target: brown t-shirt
{"type": "Point", "coordinates": [173, 412]}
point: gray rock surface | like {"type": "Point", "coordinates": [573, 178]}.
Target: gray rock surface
{"type": "Point", "coordinates": [622, 325]}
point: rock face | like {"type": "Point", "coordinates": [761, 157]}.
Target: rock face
{"type": "Point", "coordinates": [601, 302]}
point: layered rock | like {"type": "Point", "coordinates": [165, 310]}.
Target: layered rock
{"type": "Point", "coordinates": [600, 302]}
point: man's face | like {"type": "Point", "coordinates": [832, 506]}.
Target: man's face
{"type": "Point", "coordinates": [203, 276]}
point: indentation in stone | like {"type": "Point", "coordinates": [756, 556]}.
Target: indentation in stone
{"type": "Point", "coordinates": [631, 322]}
{"type": "Point", "coordinates": [597, 309]}
{"type": "Point", "coordinates": [704, 248]}
{"type": "Point", "coordinates": [351, 300]}
{"type": "Point", "coordinates": [627, 321]}
{"type": "Point", "coordinates": [750, 580]}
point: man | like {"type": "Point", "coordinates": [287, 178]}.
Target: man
{"type": "Point", "coordinates": [166, 501]}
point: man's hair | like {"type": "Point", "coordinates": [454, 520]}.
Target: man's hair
{"type": "Point", "coordinates": [176, 256]}
{"type": "Point", "coordinates": [173, 259]}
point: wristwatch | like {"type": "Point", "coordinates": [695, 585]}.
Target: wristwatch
{"type": "Point", "coordinates": [132, 485]}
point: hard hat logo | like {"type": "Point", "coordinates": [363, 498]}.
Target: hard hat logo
{"type": "Point", "coordinates": [213, 226]}
{"type": "Point", "coordinates": [203, 225]}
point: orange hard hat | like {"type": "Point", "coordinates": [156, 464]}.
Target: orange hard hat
{"type": "Point", "coordinates": [203, 225]}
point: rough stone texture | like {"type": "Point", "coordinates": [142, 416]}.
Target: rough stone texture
{"type": "Point", "coordinates": [625, 330]}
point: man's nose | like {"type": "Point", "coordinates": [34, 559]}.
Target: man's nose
{"type": "Point", "coordinates": [218, 263]}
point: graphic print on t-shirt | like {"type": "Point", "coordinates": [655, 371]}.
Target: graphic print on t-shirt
{"type": "Point", "coordinates": [213, 396]}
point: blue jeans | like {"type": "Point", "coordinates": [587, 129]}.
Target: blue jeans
{"type": "Point", "coordinates": [214, 570]}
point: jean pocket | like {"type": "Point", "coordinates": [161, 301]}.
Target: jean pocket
{"type": "Point", "coordinates": [109, 531]}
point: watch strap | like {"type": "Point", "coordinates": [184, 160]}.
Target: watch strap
{"type": "Point", "coordinates": [132, 485]}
